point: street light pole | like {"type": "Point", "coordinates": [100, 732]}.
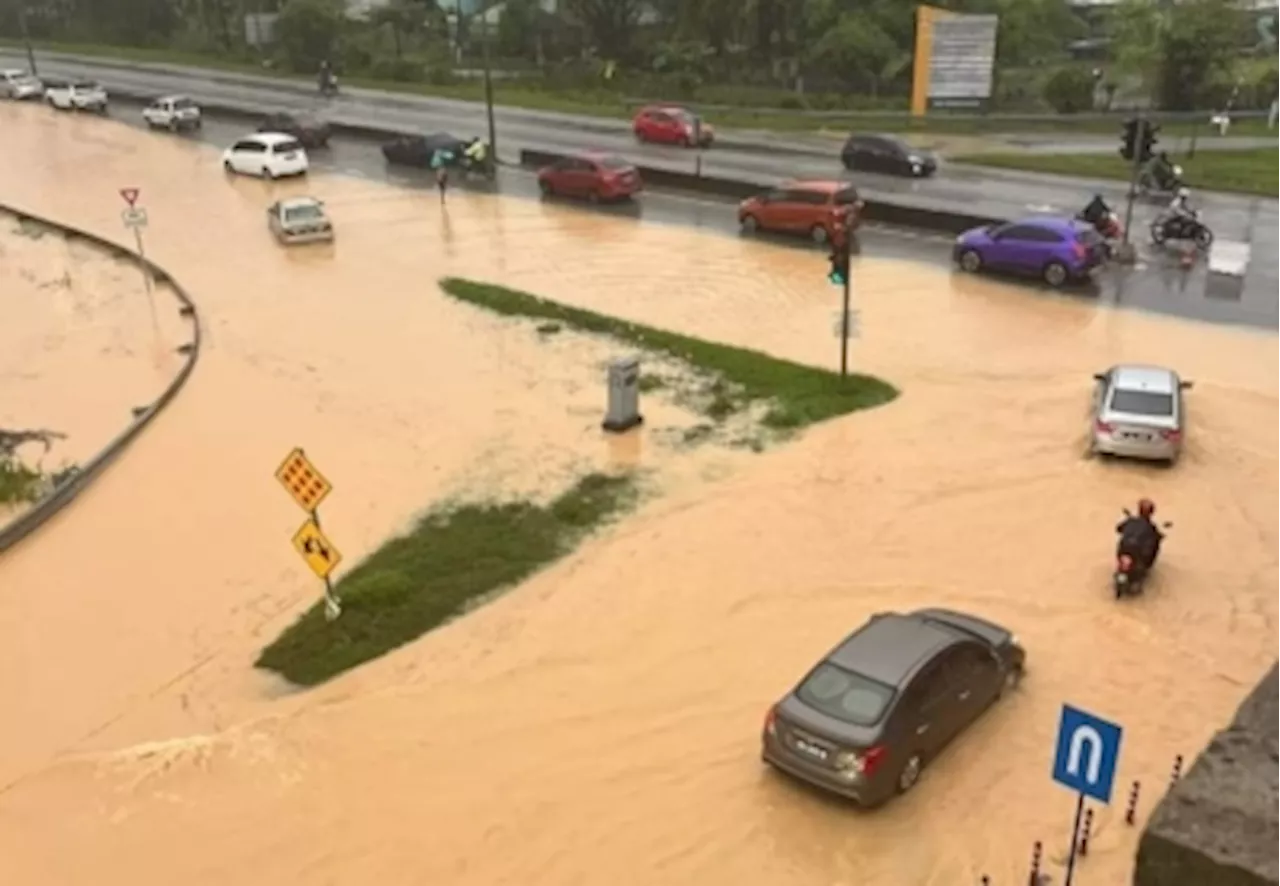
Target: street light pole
{"type": "Point", "coordinates": [26, 38]}
{"type": "Point", "coordinates": [488, 88]}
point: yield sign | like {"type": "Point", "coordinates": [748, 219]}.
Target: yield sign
{"type": "Point", "coordinates": [130, 195]}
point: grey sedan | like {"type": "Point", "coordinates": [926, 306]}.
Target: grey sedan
{"type": "Point", "coordinates": [1138, 412]}
{"type": "Point", "coordinates": [866, 721]}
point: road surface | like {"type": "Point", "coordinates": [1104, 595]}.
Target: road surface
{"type": "Point", "coordinates": [981, 191]}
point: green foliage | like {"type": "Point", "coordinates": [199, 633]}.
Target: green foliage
{"type": "Point", "coordinates": [18, 483]}
{"type": "Point", "coordinates": [1069, 90]}
{"type": "Point", "coordinates": [1196, 49]}
{"type": "Point", "coordinates": [308, 32]}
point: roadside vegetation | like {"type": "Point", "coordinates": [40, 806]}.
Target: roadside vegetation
{"type": "Point", "coordinates": [764, 61]}
{"type": "Point", "coordinates": [1246, 172]}
{"type": "Point", "coordinates": [19, 482]}
{"type": "Point", "coordinates": [791, 395]}
{"type": "Point", "coordinates": [455, 557]}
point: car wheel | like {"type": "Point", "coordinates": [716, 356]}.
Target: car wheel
{"type": "Point", "coordinates": [1055, 273]}
{"type": "Point", "coordinates": [593, 196]}
{"type": "Point", "coordinates": [1158, 235]}
{"type": "Point", "coordinates": [847, 161]}
{"type": "Point", "coordinates": [971, 261]}
{"type": "Point", "coordinates": [173, 124]}
{"type": "Point", "coordinates": [545, 187]}
{"type": "Point", "coordinates": [1012, 679]}
{"type": "Point", "coordinates": [227, 167]}
{"type": "Point", "coordinates": [909, 774]}
{"type": "Point", "coordinates": [818, 234]}
{"type": "Point", "coordinates": [267, 173]}
{"type": "Point", "coordinates": [749, 224]}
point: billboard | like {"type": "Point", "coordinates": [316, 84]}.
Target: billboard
{"type": "Point", "coordinates": [955, 58]}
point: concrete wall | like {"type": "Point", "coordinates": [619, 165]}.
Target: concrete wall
{"type": "Point", "coordinates": [1217, 827]}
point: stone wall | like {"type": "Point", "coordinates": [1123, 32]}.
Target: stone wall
{"type": "Point", "coordinates": [1218, 827]}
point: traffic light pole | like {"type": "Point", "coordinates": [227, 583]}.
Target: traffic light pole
{"type": "Point", "coordinates": [26, 37]}
{"type": "Point", "coordinates": [488, 89]}
{"type": "Point", "coordinates": [1133, 180]}
{"type": "Point", "coordinates": [847, 248]}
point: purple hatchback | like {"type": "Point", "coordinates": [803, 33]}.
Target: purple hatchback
{"type": "Point", "coordinates": [1057, 250]}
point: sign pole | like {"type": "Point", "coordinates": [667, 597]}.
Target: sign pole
{"type": "Point", "coordinates": [308, 487]}
{"type": "Point", "coordinates": [332, 605]}
{"type": "Point", "coordinates": [1075, 840]}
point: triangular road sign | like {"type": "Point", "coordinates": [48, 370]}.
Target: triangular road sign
{"type": "Point", "coordinates": [130, 195]}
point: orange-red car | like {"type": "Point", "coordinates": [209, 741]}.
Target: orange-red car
{"type": "Point", "coordinates": [590, 174]}
{"type": "Point", "coordinates": [672, 125]}
{"type": "Point", "coordinates": [818, 209]}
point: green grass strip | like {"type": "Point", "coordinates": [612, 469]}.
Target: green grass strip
{"type": "Point", "coordinates": [455, 556]}
{"type": "Point", "coordinates": [1251, 171]}
{"type": "Point", "coordinates": [797, 395]}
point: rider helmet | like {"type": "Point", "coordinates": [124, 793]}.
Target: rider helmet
{"type": "Point", "coordinates": [1146, 508]}
{"type": "Point", "coordinates": [1183, 193]}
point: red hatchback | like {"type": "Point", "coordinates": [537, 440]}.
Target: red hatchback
{"type": "Point", "coordinates": [592, 175]}
{"type": "Point", "coordinates": [668, 124]}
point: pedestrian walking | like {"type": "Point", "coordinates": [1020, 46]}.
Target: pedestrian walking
{"type": "Point", "coordinates": [442, 180]}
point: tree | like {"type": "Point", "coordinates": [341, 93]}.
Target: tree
{"type": "Point", "coordinates": [609, 23]}
{"type": "Point", "coordinates": [401, 17]}
{"type": "Point", "coordinates": [307, 32]}
{"type": "Point", "coordinates": [1197, 48]}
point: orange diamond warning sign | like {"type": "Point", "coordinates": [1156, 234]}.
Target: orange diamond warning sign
{"type": "Point", "coordinates": [300, 479]}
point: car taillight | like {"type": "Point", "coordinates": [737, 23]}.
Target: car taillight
{"type": "Point", "coordinates": [866, 762]}
{"type": "Point", "coordinates": [1079, 249]}
{"type": "Point", "coordinates": [1125, 562]}
{"type": "Point", "coordinates": [771, 721]}
{"type": "Point", "coordinates": [1171, 434]}
{"type": "Point", "coordinates": [1102, 427]}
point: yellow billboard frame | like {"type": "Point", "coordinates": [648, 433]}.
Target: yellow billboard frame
{"type": "Point", "coordinates": [925, 17]}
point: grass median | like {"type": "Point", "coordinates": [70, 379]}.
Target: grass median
{"type": "Point", "coordinates": [793, 395]}
{"type": "Point", "coordinates": [455, 557]}
{"type": "Point", "coordinates": [1250, 171]}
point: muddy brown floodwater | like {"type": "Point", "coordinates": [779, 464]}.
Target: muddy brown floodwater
{"type": "Point", "coordinates": [599, 724]}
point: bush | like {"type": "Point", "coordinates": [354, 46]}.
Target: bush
{"type": "Point", "coordinates": [402, 70]}
{"type": "Point", "coordinates": [1069, 90]}
{"type": "Point", "coordinates": [307, 32]}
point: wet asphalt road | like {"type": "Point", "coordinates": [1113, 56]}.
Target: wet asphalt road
{"type": "Point", "coordinates": [1155, 284]}
{"type": "Point", "coordinates": [751, 157]}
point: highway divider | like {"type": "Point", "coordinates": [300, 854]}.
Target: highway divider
{"type": "Point", "coordinates": [70, 488]}
{"type": "Point", "coordinates": [899, 214]}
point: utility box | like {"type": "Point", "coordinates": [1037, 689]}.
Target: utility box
{"type": "Point", "coordinates": [624, 395]}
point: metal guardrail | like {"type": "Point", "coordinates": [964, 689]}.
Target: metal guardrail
{"type": "Point", "coordinates": [66, 492]}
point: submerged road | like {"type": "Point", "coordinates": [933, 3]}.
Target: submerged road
{"type": "Point", "coordinates": [760, 158]}
{"type": "Point", "coordinates": [1157, 284]}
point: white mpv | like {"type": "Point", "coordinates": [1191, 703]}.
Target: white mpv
{"type": "Point", "coordinates": [268, 154]}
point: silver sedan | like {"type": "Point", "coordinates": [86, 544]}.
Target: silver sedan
{"type": "Point", "coordinates": [1138, 412]}
{"type": "Point", "coordinates": [299, 220]}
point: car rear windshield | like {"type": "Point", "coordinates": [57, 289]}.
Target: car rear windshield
{"type": "Point", "coordinates": [183, 103]}
{"type": "Point", "coordinates": [308, 212]}
{"type": "Point", "coordinates": [845, 695]}
{"type": "Point", "coordinates": [1142, 402]}
{"type": "Point", "coordinates": [1088, 236]}
{"type": "Point", "coordinates": [614, 163]}
{"type": "Point", "coordinates": [287, 147]}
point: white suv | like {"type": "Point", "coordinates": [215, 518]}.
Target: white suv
{"type": "Point", "coordinates": [268, 154]}
{"type": "Point", "coordinates": [172, 112]}
{"type": "Point", "coordinates": [76, 95]}
{"type": "Point", "coordinates": [19, 85]}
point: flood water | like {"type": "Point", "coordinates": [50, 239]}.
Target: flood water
{"type": "Point", "coordinates": [599, 724]}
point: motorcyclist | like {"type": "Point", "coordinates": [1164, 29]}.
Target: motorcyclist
{"type": "Point", "coordinates": [326, 76]}
{"type": "Point", "coordinates": [476, 152]}
{"type": "Point", "coordinates": [1162, 170]}
{"type": "Point", "coordinates": [1096, 211]}
{"type": "Point", "coordinates": [1139, 536]}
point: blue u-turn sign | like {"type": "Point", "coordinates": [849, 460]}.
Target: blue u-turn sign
{"type": "Point", "coordinates": [1088, 748]}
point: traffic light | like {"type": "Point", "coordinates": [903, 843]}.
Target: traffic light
{"type": "Point", "coordinates": [1129, 138]}
{"type": "Point", "coordinates": [1147, 142]}
{"type": "Point", "coordinates": [839, 274]}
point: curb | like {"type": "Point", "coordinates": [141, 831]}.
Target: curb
{"type": "Point", "coordinates": [46, 508]}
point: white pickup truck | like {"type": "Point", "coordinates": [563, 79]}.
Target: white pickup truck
{"type": "Point", "coordinates": [172, 112]}
{"type": "Point", "coordinates": [76, 95]}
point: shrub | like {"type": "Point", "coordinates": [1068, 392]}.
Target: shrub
{"type": "Point", "coordinates": [1069, 90]}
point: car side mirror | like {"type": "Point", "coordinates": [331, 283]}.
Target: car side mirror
{"type": "Point", "coordinates": [1126, 512]}
{"type": "Point", "coordinates": [1100, 376]}
{"type": "Point", "coordinates": [1168, 524]}
{"type": "Point", "coordinates": [1187, 385]}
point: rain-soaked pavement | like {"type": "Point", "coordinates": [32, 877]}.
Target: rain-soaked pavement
{"type": "Point", "coordinates": [599, 724]}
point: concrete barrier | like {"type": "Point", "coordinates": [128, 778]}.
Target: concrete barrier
{"type": "Point", "coordinates": [874, 210]}
{"type": "Point", "coordinates": [66, 492]}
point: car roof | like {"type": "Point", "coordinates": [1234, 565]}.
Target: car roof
{"type": "Point", "coordinates": [597, 154]}
{"type": "Point", "coordinates": [891, 646]}
{"type": "Point", "coordinates": [296, 202]}
{"type": "Point", "coordinates": [12, 72]}
{"type": "Point", "coordinates": [177, 96]}
{"type": "Point", "coordinates": [269, 138]}
{"type": "Point", "coordinates": [1141, 377]}
{"type": "Point", "coordinates": [1058, 223]}
{"type": "Point", "coordinates": [669, 109]}
{"type": "Point", "coordinates": [825, 186]}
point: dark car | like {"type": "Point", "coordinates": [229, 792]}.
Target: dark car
{"type": "Point", "coordinates": [591, 174]}
{"type": "Point", "coordinates": [417, 150]}
{"type": "Point", "coordinates": [1057, 250]}
{"type": "Point", "coordinates": [866, 721]}
{"type": "Point", "coordinates": [311, 131]}
{"type": "Point", "coordinates": [887, 153]}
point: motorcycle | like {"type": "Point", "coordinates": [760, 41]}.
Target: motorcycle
{"type": "Point", "coordinates": [1104, 220]}
{"type": "Point", "coordinates": [1130, 574]}
{"type": "Point", "coordinates": [1181, 227]}
{"type": "Point", "coordinates": [329, 86]}
{"type": "Point", "coordinates": [1160, 179]}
